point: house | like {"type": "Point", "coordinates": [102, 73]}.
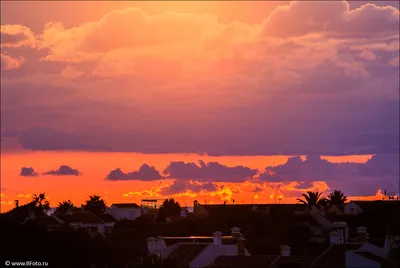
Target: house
{"type": "Point", "coordinates": [128, 211]}
{"type": "Point", "coordinates": [359, 253]}
{"type": "Point", "coordinates": [83, 219]}
{"type": "Point", "coordinates": [378, 207]}
{"type": "Point", "coordinates": [109, 222]}
{"type": "Point", "coordinates": [352, 208]}
{"type": "Point", "coordinates": [199, 253]}
{"type": "Point", "coordinates": [50, 222]}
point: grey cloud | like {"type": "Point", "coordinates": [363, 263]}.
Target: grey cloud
{"type": "Point", "coordinates": [380, 172]}
{"type": "Point", "coordinates": [211, 171]}
{"type": "Point", "coordinates": [381, 165]}
{"type": "Point", "coordinates": [63, 171]}
{"type": "Point", "coordinates": [145, 173]}
{"type": "Point", "coordinates": [17, 37]}
{"type": "Point", "coordinates": [28, 172]}
{"type": "Point", "coordinates": [181, 186]}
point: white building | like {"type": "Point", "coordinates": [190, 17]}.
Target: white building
{"type": "Point", "coordinates": [128, 211]}
{"type": "Point", "coordinates": [361, 254]}
{"type": "Point", "coordinates": [199, 254]}
{"type": "Point", "coordinates": [352, 208]}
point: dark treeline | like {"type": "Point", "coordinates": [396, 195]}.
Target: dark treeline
{"type": "Point", "coordinates": [126, 247]}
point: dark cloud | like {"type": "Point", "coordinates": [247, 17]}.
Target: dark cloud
{"type": "Point", "coordinates": [182, 186]}
{"type": "Point", "coordinates": [345, 126]}
{"type": "Point", "coordinates": [312, 169]}
{"type": "Point", "coordinates": [381, 165]}
{"type": "Point", "coordinates": [212, 171]}
{"type": "Point", "coordinates": [145, 173]}
{"type": "Point", "coordinates": [380, 172]}
{"type": "Point", "coordinates": [63, 171]}
{"type": "Point", "coordinates": [16, 36]}
{"type": "Point", "coordinates": [28, 172]}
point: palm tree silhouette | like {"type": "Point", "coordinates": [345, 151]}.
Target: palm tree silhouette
{"type": "Point", "coordinates": [95, 204]}
{"type": "Point", "coordinates": [41, 202]}
{"type": "Point", "coordinates": [336, 198]}
{"type": "Point", "coordinates": [312, 199]}
{"type": "Point", "coordinates": [65, 206]}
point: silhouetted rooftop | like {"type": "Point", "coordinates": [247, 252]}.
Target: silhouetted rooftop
{"type": "Point", "coordinates": [126, 205]}
{"type": "Point", "coordinates": [106, 217]}
{"type": "Point", "coordinates": [372, 256]}
{"type": "Point", "coordinates": [79, 217]}
{"type": "Point", "coordinates": [185, 253]}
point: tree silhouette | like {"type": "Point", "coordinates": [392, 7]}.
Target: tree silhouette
{"type": "Point", "coordinates": [65, 206]}
{"type": "Point", "coordinates": [388, 195]}
{"type": "Point", "coordinates": [95, 204]}
{"type": "Point", "coordinates": [336, 198]}
{"type": "Point", "coordinates": [40, 202]}
{"type": "Point", "coordinates": [312, 199]}
{"type": "Point", "coordinates": [169, 208]}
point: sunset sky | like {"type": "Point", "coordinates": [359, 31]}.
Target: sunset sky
{"type": "Point", "coordinates": [214, 101]}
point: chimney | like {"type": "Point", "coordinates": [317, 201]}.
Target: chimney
{"type": "Point", "coordinates": [235, 232]}
{"type": "Point", "coordinates": [285, 251]}
{"type": "Point", "coordinates": [241, 245]}
{"type": "Point", "coordinates": [151, 245]}
{"type": "Point", "coordinates": [334, 238]}
{"type": "Point", "coordinates": [160, 245]}
{"type": "Point", "coordinates": [217, 238]}
{"type": "Point", "coordinates": [341, 229]}
{"type": "Point", "coordinates": [362, 234]}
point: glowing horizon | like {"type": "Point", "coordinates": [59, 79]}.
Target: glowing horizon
{"type": "Point", "coordinates": [199, 100]}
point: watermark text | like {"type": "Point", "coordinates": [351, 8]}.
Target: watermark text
{"type": "Point", "coordinates": [26, 263]}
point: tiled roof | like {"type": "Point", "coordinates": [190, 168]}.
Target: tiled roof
{"type": "Point", "coordinates": [47, 220]}
{"type": "Point", "coordinates": [126, 205]}
{"type": "Point", "coordinates": [80, 217]}
{"type": "Point", "coordinates": [185, 253]}
{"type": "Point", "coordinates": [254, 261]}
{"type": "Point", "coordinates": [105, 217]}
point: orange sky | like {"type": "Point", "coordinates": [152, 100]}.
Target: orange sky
{"type": "Point", "coordinates": [95, 167]}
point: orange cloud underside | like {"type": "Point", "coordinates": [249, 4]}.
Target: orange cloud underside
{"type": "Point", "coordinates": [95, 166]}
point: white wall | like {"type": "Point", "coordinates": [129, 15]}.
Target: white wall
{"type": "Point", "coordinates": [211, 253]}
{"type": "Point", "coordinates": [352, 208]}
{"type": "Point", "coordinates": [356, 261]}
{"type": "Point", "coordinates": [125, 213]}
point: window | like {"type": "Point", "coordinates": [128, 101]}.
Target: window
{"type": "Point", "coordinates": [351, 210]}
